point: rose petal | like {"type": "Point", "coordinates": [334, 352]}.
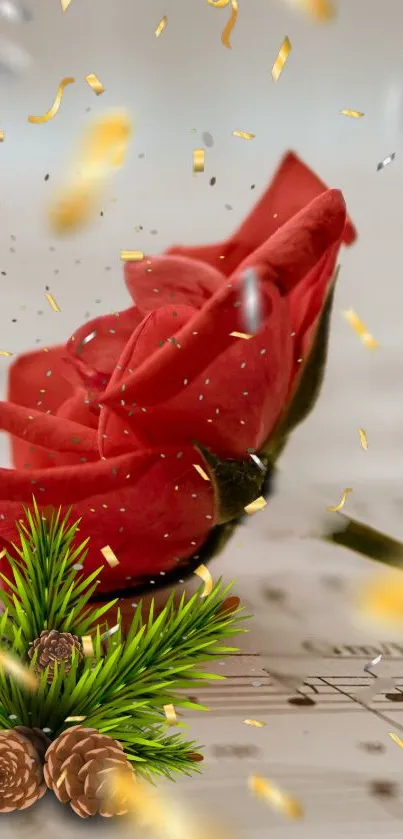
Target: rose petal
{"type": "Point", "coordinates": [100, 354]}
{"type": "Point", "coordinates": [172, 280]}
{"type": "Point", "coordinates": [293, 187]}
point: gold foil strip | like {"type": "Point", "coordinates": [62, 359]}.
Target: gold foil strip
{"type": "Point", "coordinates": [205, 575]}
{"type": "Point", "coordinates": [6, 353]}
{"type": "Point", "coordinates": [255, 506]}
{"type": "Point", "coordinates": [131, 256]}
{"type": "Point", "coordinates": [88, 647]}
{"type": "Point", "coordinates": [360, 329]}
{"type": "Point", "coordinates": [243, 135]}
{"type": "Point", "coordinates": [62, 777]}
{"type": "Point", "coordinates": [75, 719]}
{"type": "Point", "coordinates": [243, 335]}
{"type": "Point", "coordinates": [363, 439]}
{"type": "Point", "coordinates": [95, 84]}
{"type": "Point", "coordinates": [161, 26]}
{"type": "Point", "coordinates": [321, 10]}
{"type": "Point", "coordinates": [353, 114]}
{"type": "Point", "coordinates": [255, 723]}
{"type": "Point", "coordinates": [227, 31]}
{"type": "Point", "coordinates": [201, 472]}
{"type": "Point", "coordinates": [65, 5]}
{"type": "Point", "coordinates": [396, 739]}
{"type": "Point", "coordinates": [1, 136]}
{"type": "Point", "coordinates": [341, 504]}
{"type": "Point", "coordinates": [198, 160]}
{"type": "Point", "coordinates": [52, 302]}
{"type": "Point", "coordinates": [13, 667]}
{"type": "Point", "coordinates": [170, 714]}
{"type": "Point", "coordinates": [56, 104]}
{"type": "Point", "coordinates": [279, 800]}
{"type": "Point", "coordinates": [110, 556]}
{"type": "Point", "coordinates": [281, 59]}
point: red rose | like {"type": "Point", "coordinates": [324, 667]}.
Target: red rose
{"type": "Point", "coordinates": [108, 423]}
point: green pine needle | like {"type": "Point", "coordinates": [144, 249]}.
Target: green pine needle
{"type": "Point", "coordinates": [120, 692]}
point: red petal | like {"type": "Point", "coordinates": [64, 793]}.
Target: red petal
{"type": "Point", "coordinates": [293, 187]}
{"type": "Point", "coordinates": [231, 407]}
{"type": "Point", "coordinates": [100, 354]}
{"type": "Point", "coordinates": [60, 435]}
{"type": "Point", "coordinates": [296, 248]}
{"type": "Point", "coordinates": [172, 280]}
{"type": "Point", "coordinates": [285, 259]}
{"type": "Point", "coordinates": [37, 380]}
{"type": "Point", "coordinates": [151, 511]}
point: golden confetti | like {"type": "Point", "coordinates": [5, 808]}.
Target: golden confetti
{"type": "Point", "coordinates": [1, 136]}
{"type": "Point", "coordinates": [75, 719]}
{"type": "Point", "coordinates": [56, 104]}
{"type": "Point", "coordinates": [243, 335]}
{"type": "Point", "coordinates": [103, 150]}
{"type": "Point", "coordinates": [3, 553]}
{"type": "Point", "coordinates": [205, 575]}
{"type": "Point", "coordinates": [110, 557]}
{"type": "Point", "coordinates": [227, 31]}
{"type": "Point", "coordinates": [131, 256]}
{"type": "Point", "coordinates": [360, 329]}
{"type": "Point", "coordinates": [95, 84]}
{"type": "Point", "coordinates": [6, 353]}
{"type": "Point", "coordinates": [201, 472]}
{"type": "Point", "coordinates": [381, 600]}
{"type": "Point", "coordinates": [353, 114]}
{"type": "Point", "coordinates": [340, 506]}
{"type": "Point", "coordinates": [13, 667]}
{"type": "Point", "coordinates": [255, 506]}
{"type": "Point", "coordinates": [161, 26]}
{"type": "Point", "coordinates": [243, 135]}
{"type": "Point", "coordinates": [396, 739]}
{"type": "Point", "coordinates": [321, 10]}
{"type": "Point", "coordinates": [281, 59]}
{"type": "Point", "coordinates": [61, 778]}
{"type": "Point", "coordinates": [278, 799]}
{"type": "Point", "coordinates": [255, 723]}
{"type": "Point", "coordinates": [198, 160]}
{"type": "Point", "coordinates": [170, 714]}
{"type": "Point", "coordinates": [363, 439]}
{"type": "Point", "coordinates": [52, 302]}
{"type": "Point", "coordinates": [65, 5]}
{"type": "Point", "coordinates": [88, 647]}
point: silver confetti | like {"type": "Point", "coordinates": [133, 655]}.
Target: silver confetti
{"type": "Point", "coordinates": [373, 663]}
{"type": "Point", "coordinates": [386, 161]}
{"type": "Point", "coordinates": [252, 306]}
{"type": "Point", "coordinates": [86, 340]}
{"type": "Point", "coordinates": [207, 139]}
{"type": "Point", "coordinates": [258, 462]}
{"type": "Point", "coordinates": [14, 12]}
{"type": "Point", "coordinates": [378, 686]}
{"type": "Point", "coordinates": [110, 632]}
{"type": "Point", "coordinates": [13, 59]}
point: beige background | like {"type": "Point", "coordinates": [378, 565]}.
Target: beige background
{"type": "Point", "coordinates": [187, 81]}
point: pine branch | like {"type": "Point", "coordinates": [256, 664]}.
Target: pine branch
{"type": "Point", "coordinates": [45, 590]}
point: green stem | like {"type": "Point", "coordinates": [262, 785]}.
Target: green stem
{"type": "Point", "coordinates": [365, 540]}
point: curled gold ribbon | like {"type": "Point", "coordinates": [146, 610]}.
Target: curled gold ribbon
{"type": "Point", "coordinates": [56, 104]}
{"type": "Point", "coordinates": [227, 31]}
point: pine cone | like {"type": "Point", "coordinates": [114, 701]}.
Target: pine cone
{"type": "Point", "coordinates": [54, 646]}
{"type": "Point", "coordinates": [21, 774]}
{"type": "Point", "coordinates": [77, 767]}
{"type": "Point", "coordinates": [37, 737]}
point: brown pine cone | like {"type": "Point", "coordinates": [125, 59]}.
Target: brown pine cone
{"type": "Point", "coordinates": [77, 767]}
{"type": "Point", "coordinates": [37, 737]}
{"type": "Point", "coordinates": [21, 774]}
{"type": "Point", "coordinates": [54, 646]}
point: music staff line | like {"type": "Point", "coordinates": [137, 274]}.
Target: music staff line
{"type": "Point", "coordinates": [333, 694]}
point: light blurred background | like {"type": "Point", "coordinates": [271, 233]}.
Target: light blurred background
{"type": "Point", "coordinates": [178, 87]}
